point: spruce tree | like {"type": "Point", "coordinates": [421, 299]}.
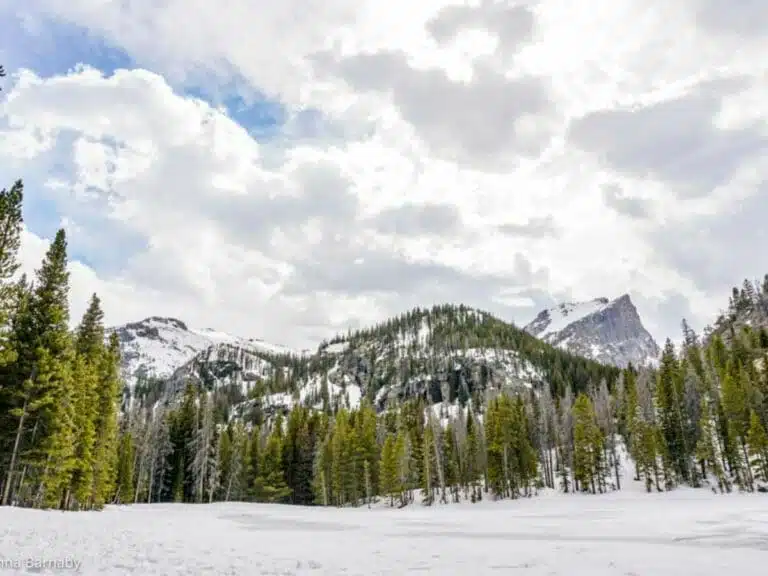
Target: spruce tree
{"type": "Point", "coordinates": [588, 445]}
{"type": "Point", "coordinates": [758, 447]}
{"type": "Point", "coordinates": [270, 485]}
{"type": "Point", "coordinates": [105, 450]}
{"type": "Point", "coordinates": [673, 424]}
{"type": "Point", "coordinates": [10, 242]}
{"type": "Point", "coordinates": [389, 469]}
{"type": "Point", "coordinates": [45, 398]}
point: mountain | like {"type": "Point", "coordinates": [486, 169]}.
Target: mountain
{"type": "Point", "coordinates": [156, 347]}
{"type": "Point", "coordinates": [608, 331]}
{"type": "Point", "coordinates": [447, 356]}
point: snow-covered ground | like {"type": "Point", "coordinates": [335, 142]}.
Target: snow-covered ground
{"type": "Point", "coordinates": [685, 532]}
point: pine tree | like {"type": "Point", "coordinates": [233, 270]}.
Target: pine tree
{"type": "Point", "coordinates": [429, 466]}
{"type": "Point", "coordinates": [403, 461]}
{"type": "Point", "coordinates": [89, 350]}
{"type": "Point", "coordinates": [85, 382]}
{"type": "Point", "coordinates": [389, 469]}
{"type": "Point", "coordinates": [43, 396]}
{"type": "Point", "coordinates": [673, 425]}
{"type": "Point", "coordinates": [105, 450]}
{"type": "Point", "coordinates": [201, 445]}
{"type": "Point", "coordinates": [736, 408]}
{"type": "Point", "coordinates": [322, 468]}
{"type": "Point", "coordinates": [451, 462]}
{"type": "Point", "coordinates": [588, 445]}
{"type": "Point", "coordinates": [10, 242]}
{"type": "Point", "coordinates": [757, 439]}
{"type": "Point", "coordinates": [125, 459]}
{"type": "Point", "coordinates": [270, 485]}
{"type": "Point", "coordinates": [706, 451]}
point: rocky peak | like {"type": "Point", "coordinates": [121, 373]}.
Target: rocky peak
{"type": "Point", "coordinates": [609, 331]}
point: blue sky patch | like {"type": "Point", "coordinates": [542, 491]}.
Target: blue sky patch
{"type": "Point", "coordinates": [51, 47]}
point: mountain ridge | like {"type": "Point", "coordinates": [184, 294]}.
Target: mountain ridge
{"type": "Point", "coordinates": [157, 346]}
{"type": "Point", "coordinates": [608, 331]}
{"type": "Point", "coordinates": [445, 355]}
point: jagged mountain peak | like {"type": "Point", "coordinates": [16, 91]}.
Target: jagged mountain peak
{"type": "Point", "coordinates": [609, 331]}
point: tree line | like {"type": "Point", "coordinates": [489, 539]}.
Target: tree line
{"type": "Point", "coordinates": [59, 389]}
{"type": "Point", "coordinates": [698, 420]}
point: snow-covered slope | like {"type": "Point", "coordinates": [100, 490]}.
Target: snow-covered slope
{"type": "Point", "coordinates": [609, 331]}
{"type": "Point", "coordinates": [158, 347]}
{"type": "Point", "coordinates": [618, 534]}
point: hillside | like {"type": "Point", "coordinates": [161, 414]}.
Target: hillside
{"type": "Point", "coordinates": [747, 308]}
{"type": "Point", "coordinates": [608, 331]}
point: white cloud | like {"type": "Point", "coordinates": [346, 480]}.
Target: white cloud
{"type": "Point", "coordinates": [560, 153]}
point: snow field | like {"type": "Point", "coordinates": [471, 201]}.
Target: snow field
{"type": "Point", "coordinates": [681, 533]}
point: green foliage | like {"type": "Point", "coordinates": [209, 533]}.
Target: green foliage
{"type": "Point", "coordinates": [588, 446]}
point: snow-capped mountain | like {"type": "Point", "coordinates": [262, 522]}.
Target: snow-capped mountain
{"type": "Point", "coordinates": [158, 347]}
{"type": "Point", "coordinates": [608, 331]}
{"type": "Point", "coordinates": [447, 355]}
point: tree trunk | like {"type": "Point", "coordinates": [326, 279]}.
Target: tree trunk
{"type": "Point", "coordinates": [151, 483]}
{"type": "Point", "coordinates": [14, 454]}
{"type": "Point", "coordinates": [748, 466]}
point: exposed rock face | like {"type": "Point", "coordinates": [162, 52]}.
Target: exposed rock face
{"type": "Point", "coordinates": [223, 364]}
{"type": "Point", "coordinates": [609, 331]}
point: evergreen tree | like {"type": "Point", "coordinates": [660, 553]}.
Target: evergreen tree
{"type": "Point", "coordinates": [105, 450]}
{"type": "Point", "coordinates": [673, 424]}
{"type": "Point", "coordinates": [388, 467]}
{"type": "Point", "coordinates": [43, 397]}
{"type": "Point", "coordinates": [757, 439]}
{"type": "Point", "coordinates": [10, 242]}
{"type": "Point", "coordinates": [270, 485]}
{"type": "Point", "coordinates": [588, 446]}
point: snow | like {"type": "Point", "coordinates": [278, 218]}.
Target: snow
{"type": "Point", "coordinates": [174, 344]}
{"type": "Point", "coordinates": [337, 348]}
{"type": "Point", "coordinates": [694, 533]}
{"type": "Point", "coordinates": [566, 314]}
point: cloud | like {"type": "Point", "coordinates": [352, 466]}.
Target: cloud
{"type": "Point", "coordinates": [719, 250]}
{"type": "Point", "coordinates": [506, 155]}
{"type": "Point", "coordinates": [533, 228]}
{"type": "Point", "coordinates": [486, 123]}
{"type": "Point", "coordinates": [675, 141]}
{"type": "Point", "coordinates": [419, 220]}
{"type": "Point", "coordinates": [742, 18]}
{"type": "Point", "coordinates": [513, 25]}
{"type": "Point", "coordinates": [628, 206]}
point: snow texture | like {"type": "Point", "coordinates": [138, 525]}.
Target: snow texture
{"type": "Point", "coordinates": [565, 314]}
{"type": "Point", "coordinates": [685, 532]}
{"type": "Point", "coordinates": [608, 331]}
{"type": "Point", "coordinates": [157, 346]}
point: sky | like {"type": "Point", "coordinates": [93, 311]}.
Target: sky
{"type": "Point", "coordinates": [287, 170]}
